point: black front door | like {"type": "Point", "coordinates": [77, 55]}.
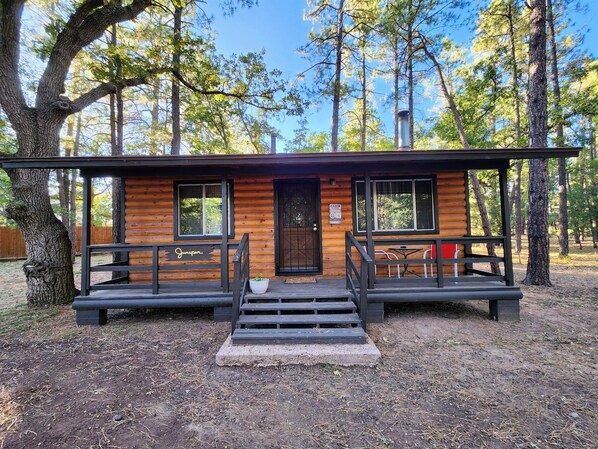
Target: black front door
{"type": "Point", "coordinates": [297, 222]}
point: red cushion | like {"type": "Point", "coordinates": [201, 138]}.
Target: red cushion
{"type": "Point", "coordinates": [448, 251]}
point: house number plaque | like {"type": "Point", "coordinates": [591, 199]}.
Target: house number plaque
{"type": "Point", "coordinates": [335, 214]}
{"type": "Point", "coordinates": [200, 252]}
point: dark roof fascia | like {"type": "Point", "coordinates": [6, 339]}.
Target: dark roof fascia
{"type": "Point", "coordinates": [295, 169]}
{"type": "Point", "coordinates": [437, 160]}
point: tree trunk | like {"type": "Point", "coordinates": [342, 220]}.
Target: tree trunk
{"type": "Point", "coordinates": [538, 265]}
{"type": "Point", "coordinates": [154, 148]}
{"type": "Point", "coordinates": [175, 145]}
{"type": "Point", "coordinates": [48, 267]}
{"type": "Point", "coordinates": [560, 140]}
{"type": "Point", "coordinates": [117, 144]}
{"type": "Point", "coordinates": [336, 96]}
{"type": "Point", "coordinates": [68, 211]}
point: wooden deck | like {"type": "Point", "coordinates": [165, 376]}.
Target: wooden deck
{"type": "Point", "coordinates": [209, 294]}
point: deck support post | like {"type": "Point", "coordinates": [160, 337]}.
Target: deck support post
{"type": "Point", "coordinates": [369, 211]}
{"type": "Point", "coordinates": [223, 314]}
{"type": "Point", "coordinates": [375, 312]}
{"type": "Point", "coordinates": [504, 310]}
{"type": "Point", "coordinates": [96, 317]}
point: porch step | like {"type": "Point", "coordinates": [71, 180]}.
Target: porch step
{"type": "Point", "coordinates": [298, 318]}
{"type": "Point", "coordinates": [354, 335]}
{"type": "Point", "coordinates": [322, 318]}
{"type": "Point", "coordinates": [341, 295]}
{"type": "Point", "coordinates": [299, 306]}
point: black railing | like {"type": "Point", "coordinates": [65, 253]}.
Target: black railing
{"type": "Point", "coordinates": [241, 278]}
{"type": "Point", "coordinates": [357, 275]}
{"type": "Point", "coordinates": [164, 257]}
{"type": "Point", "coordinates": [407, 264]}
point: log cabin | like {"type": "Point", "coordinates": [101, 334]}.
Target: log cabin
{"type": "Point", "coordinates": [339, 235]}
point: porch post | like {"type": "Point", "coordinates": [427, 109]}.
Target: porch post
{"type": "Point", "coordinates": [85, 235]}
{"type": "Point", "coordinates": [505, 310]}
{"type": "Point", "coordinates": [93, 316]}
{"type": "Point", "coordinates": [506, 224]}
{"type": "Point", "coordinates": [368, 228]}
{"type": "Point", "coordinates": [468, 266]}
{"type": "Point", "coordinates": [224, 243]}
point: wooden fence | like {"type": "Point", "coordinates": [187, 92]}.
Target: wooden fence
{"type": "Point", "coordinates": [12, 245]}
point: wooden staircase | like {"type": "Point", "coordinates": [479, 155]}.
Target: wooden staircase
{"type": "Point", "coordinates": [298, 318]}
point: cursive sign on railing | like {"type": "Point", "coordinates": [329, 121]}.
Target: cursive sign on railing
{"type": "Point", "coordinates": [199, 252]}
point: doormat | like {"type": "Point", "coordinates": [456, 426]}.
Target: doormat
{"type": "Point", "coordinates": [301, 280]}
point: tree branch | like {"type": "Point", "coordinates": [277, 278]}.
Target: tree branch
{"type": "Point", "coordinates": [87, 24]}
{"type": "Point", "coordinates": [11, 96]}
{"type": "Point", "coordinates": [238, 96]}
{"type": "Point", "coordinates": [104, 89]}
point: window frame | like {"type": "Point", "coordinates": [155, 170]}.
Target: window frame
{"type": "Point", "coordinates": [374, 180]}
{"type": "Point", "coordinates": [203, 183]}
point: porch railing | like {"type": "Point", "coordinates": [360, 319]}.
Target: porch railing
{"type": "Point", "coordinates": [357, 274]}
{"type": "Point", "coordinates": [468, 262]}
{"type": "Point", "coordinates": [241, 278]}
{"type": "Point", "coordinates": [164, 257]}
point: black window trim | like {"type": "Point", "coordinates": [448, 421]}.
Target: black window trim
{"type": "Point", "coordinates": [231, 210]}
{"type": "Point", "coordinates": [373, 179]}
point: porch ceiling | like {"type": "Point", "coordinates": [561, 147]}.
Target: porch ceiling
{"type": "Point", "coordinates": [302, 163]}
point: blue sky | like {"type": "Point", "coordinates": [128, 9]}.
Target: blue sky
{"type": "Point", "coordinates": [278, 27]}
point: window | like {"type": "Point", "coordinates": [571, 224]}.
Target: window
{"type": "Point", "coordinates": [403, 205]}
{"type": "Point", "coordinates": [198, 210]}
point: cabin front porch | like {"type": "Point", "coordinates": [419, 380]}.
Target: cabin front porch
{"type": "Point", "coordinates": [330, 310]}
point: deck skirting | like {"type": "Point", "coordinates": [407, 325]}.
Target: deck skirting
{"type": "Point", "coordinates": [443, 294]}
{"type": "Point", "coordinates": [91, 303]}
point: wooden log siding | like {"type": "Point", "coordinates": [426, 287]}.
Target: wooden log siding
{"type": "Point", "coordinates": [149, 219]}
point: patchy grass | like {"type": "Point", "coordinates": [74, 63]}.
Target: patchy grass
{"type": "Point", "coordinates": [12, 280]}
{"type": "Point", "coordinates": [21, 318]}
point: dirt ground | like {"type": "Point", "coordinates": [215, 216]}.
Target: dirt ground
{"type": "Point", "coordinates": [448, 378]}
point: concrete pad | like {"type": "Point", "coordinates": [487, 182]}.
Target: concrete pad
{"type": "Point", "coordinates": [313, 354]}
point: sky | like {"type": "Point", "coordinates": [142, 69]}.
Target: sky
{"type": "Point", "coordinates": [278, 27]}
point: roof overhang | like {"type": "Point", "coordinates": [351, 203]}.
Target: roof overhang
{"type": "Point", "coordinates": [293, 164]}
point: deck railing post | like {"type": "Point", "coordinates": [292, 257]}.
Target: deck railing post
{"type": "Point", "coordinates": [439, 264]}
{"type": "Point", "coordinates": [241, 277]}
{"type": "Point", "coordinates": [363, 292]}
{"type": "Point", "coordinates": [236, 294]}
{"type": "Point", "coordinates": [347, 257]}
